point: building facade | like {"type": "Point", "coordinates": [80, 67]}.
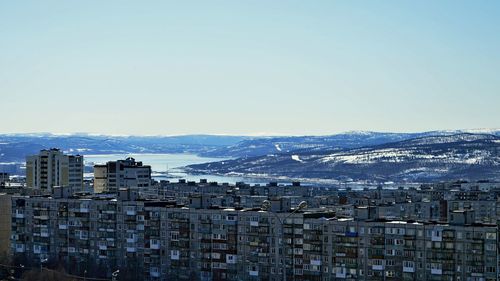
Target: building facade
{"type": "Point", "coordinates": [5, 226]}
{"type": "Point", "coordinates": [160, 240]}
{"type": "Point", "coordinates": [4, 178]}
{"type": "Point", "coordinates": [52, 168]}
{"type": "Point", "coordinates": [121, 174]}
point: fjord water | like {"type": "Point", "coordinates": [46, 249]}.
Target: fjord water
{"type": "Point", "coordinates": [167, 166]}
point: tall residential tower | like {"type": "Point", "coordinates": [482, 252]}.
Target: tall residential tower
{"type": "Point", "coordinates": [51, 167]}
{"type": "Point", "coordinates": [121, 174]}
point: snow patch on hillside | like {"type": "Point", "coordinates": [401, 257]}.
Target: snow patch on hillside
{"type": "Point", "coordinates": [402, 155]}
{"type": "Point", "coordinates": [297, 158]}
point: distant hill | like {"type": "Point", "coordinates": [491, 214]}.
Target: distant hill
{"type": "Point", "coordinates": [273, 145]}
{"type": "Point", "coordinates": [348, 156]}
{"type": "Point", "coordinates": [15, 147]}
{"type": "Point", "coordinates": [428, 158]}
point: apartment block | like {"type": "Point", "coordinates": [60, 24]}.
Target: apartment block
{"type": "Point", "coordinates": [4, 178]}
{"type": "Point", "coordinates": [5, 219]}
{"type": "Point", "coordinates": [51, 167]}
{"type": "Point", "coordinates": [121, 174]}
{"type": "Point", "coordinates": [162, 240]}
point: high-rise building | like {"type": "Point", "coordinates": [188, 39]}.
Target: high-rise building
{"type": "Point", "coordinates": [121, 174]}
{"type": "Point", "coordinates": [4, 177]}
{"type": "Point", "coordinates": [5, 223]}
{"type": "Point", "coordinates": [51, 167]}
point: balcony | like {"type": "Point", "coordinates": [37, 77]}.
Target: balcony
{"type": "Point", "coordinates": [340, 272]}
{"type": "Point", "coordinates": [436, 271]}
{"type": "Point", "coordinates": [408, 269]}
{"type": "Point", "coordinates": [41, 217]}
{"type": "Point", "coordinates": [20, 248]}
{"type": "Point", "coordinates": [315, 262]}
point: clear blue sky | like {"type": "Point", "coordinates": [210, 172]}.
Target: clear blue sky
{"type": "Point", "coordinates": [248, 67]}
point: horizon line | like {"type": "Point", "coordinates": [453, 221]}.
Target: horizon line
{"type": "Point", "coordinates": [258, 134]}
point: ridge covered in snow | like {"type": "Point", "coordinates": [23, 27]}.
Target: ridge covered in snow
{"type": "Point", "coordinates": [430, 158]}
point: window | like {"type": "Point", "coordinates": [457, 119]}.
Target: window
{"type": "Point", "coordinates": [174, 254]}
{"type": "Point", "coordinates": [408, 264]}
{"type": "Point", "coordinates": [298, 271]}
{"type": "Point", "coordinates": [436, 266]}
{"type": "Point", "coordinates": [491, 235]}
{"type": "Point", "coordinates": [174, 236]}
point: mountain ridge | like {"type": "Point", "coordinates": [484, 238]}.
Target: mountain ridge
{"type": "Point", "coordinates": [430, 158]}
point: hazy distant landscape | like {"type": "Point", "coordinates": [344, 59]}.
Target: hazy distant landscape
{"type": "Point", "coordinates": [432, 158]}
{"type": "Point", "coordinates": [345, 157]}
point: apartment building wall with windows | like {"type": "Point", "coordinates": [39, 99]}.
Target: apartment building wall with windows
{"type": "Point", "coordinates": [160, 240]}
{"type": "Point", "coordinates": [51, 167]}
{"type": "Point", "coordinates": [121, 174]}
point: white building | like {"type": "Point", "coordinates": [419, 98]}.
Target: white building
{"type": "Point", "coordinates": [52, 168]}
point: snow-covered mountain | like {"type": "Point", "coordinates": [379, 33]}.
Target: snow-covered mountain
{"type": "Point", "coordinates": [428, 158]}
{"type": "Point", "coordinates": [354, 139]}
{"type": "Point", "coordinates": [351, 155]}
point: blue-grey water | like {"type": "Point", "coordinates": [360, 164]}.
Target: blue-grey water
{"type": "Point", "coordinates": [161, 163]}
